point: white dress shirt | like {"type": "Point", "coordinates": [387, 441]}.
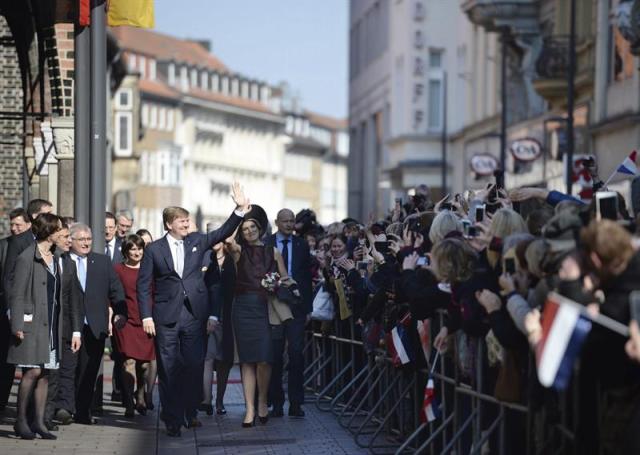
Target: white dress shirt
{"type": "Point", "coordinates": [75, 259]}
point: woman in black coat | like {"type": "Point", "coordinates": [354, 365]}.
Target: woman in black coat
{"type": "Point", "coordinates": [36, 313]}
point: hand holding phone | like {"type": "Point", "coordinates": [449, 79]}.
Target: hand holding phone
{"type": "Point", "coordinates": [480, 211]}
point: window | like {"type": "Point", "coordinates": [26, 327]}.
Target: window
{"type": "Point", "coordinates": [204, 80]}
{"type": "Point", "coordinates": [244, 89]}
{"type": "Point", "coordinates": [215, 82]}
{"type": "Point", "coordinates": [152, 69]}
{"type": "Point", "coordinates": [435, 58]}
{"type": "Point", "coordinates": [235, 87]}
{"type": "Point", "coordinates": [123, 139]}
{"type": "Point", "coordinates": [194, 77]}
{"type": "Point", "coordinates": [435, 104]}
{"type": "Point", "coordinates": [131, 62]}
{"type": "Point", "coordinates": [298, 167]}
{"type": "Point", "coordinates": [145, 115]}
{"type": "Point", "coordinates": [153, 120]}
{"type": "Point", "coordinates": [142, 67]}
{"type": "Point", "coordinates": [124, 99]}
{"type": "Point", "coordinates": [170, 120]}
{"type": "Point", "coordinates": [162, 117]}
{"type": "Point", "coordinates": [172, 74]}
{"type": "Point", "coordinates": [225, 85]}
{"type": "Point", "coordinates": [184, 79]}
{"type": "Point", "coordinates": [254, 92]}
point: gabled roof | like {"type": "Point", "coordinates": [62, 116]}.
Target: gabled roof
{"type": "Point", "coordinates": [231, 100]}
{"type": "Point", "coordinates": [158, 88]}
{"type": "Point", "coordinates": [164, 47]}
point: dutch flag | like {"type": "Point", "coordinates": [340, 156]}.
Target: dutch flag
{"type": "Point", "coordinates": [430, 405]}
{"type": "Point", "coordinates": [628, 166]}
{"type": "Point", "coordinates": [564, 329]}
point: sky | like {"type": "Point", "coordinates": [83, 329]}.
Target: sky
{"type": "Point", "coordinates": [303, 42]}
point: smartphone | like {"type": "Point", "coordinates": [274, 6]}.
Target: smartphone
{"type": "Point", "coordinates": [362, 265]}
{"type": "Point", "coordinates": [606, 205]}
{"type": "Point", "coordinates": [446, 206]}
{"type": "Point", "coordinates": [423, 260]}
{"type": "Point", "coordinates": [382, 247]}
{"type": "Point", "coordinates": [466, 224]}
{"type": "Point", "coordinates": [510, 266]}
{"type": "Point", "coordinates": [472, 231]}
{"type": "Point", "coordinates": [480, 209]}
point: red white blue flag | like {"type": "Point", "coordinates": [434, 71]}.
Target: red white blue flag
{"type": "Point", "coordinates": [629, 166]}
{"type": "Point", "coordinates": [430, 404]}
{"type": "Point", "coordinates": [424, 332]}
{"type": "Point", "coordinates": [399, 344]}
{"type": "Point", "coordinates": [564, 329]}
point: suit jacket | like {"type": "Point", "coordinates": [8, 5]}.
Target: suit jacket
{"type": "Point", "coordinates": [117, 252]}
{"type": "Point", "coordinates": [3, 255]}
{"type": "Point", "coordinates": [102, 289]}
{"type": "Point", "coordinates": [171, 291]}
{"type": "Point", "coordinates": [71, 297]}
{"type": "Point", "coordinates": [15, 246]}
{"type": "Point", "coordinates": [28, 296]}
{"type": "Point", "coordinates": [300, 272]}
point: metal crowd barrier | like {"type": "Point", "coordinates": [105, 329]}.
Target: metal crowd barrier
{"type": "Point", "coordinates": [379, 404]}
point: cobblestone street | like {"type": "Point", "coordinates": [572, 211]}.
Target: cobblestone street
{"type": "Point", "coordinates": [317, 433]}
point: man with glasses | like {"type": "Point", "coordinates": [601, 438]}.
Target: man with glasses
{"type": "Point", "coordinates": [101, 294]}
{"type": "Point", "coordinates": [112, 243]}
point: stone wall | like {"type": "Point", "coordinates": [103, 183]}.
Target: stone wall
{"type": "Point", "coordinates": [11, 128]}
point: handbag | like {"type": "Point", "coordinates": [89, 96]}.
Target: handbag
{"type": "Point", "coordinates": [279, 312]}
{"type": "Point", "coordinates": [322, 305]}
{"type": "Point", "coordinates": [289, 295]}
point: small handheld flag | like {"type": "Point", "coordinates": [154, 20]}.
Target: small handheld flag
{"type": "Point", "coordinates": [628, 167]}
{"type": "Point", "coordinates": [430, 403]}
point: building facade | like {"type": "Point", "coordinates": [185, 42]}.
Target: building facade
{"type": "Point", "coordinates": [407, 93]}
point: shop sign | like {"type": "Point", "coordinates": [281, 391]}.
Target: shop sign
{"type": "Point", "coordinates": [526, 149]}
{"type": "Point", "coordinates": [483, 164]}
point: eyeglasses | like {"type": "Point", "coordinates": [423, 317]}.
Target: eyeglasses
{"type": "Point", "coordinates": [82, 239]}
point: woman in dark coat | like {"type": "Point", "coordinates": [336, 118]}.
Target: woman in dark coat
{"type": "Point", "coordinates": [220, 278]}
{"type": "Point", "coordinates": [250, 315]}
{"type": "Point", "coordinates": [36, 315]}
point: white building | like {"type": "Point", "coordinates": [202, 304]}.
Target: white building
{"type": "Point", "coordinates": [406, 70]}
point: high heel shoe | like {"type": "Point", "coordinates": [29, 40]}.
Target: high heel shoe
{"type": "Point", "coordinates": [142, 409]}
{"type": "Point", "coordinates": [249, 424]}
{"type": "Point", "coordinates": [263, 419]}
{"type": "Point", "coordinates": [23, 432]}
{"type": "Point", "coordinates": [220, 409]}
{"type": "Point", "coordinates": [148, 401]}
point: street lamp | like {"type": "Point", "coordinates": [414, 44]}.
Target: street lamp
{"type": "Point", "coordinates": [571, 73]}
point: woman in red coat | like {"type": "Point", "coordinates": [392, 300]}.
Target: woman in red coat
{"type": "Point", "coordinates": [134, 344]}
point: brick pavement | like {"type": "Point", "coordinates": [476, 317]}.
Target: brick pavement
{"type": "Point", "coordinates": [318, 433]}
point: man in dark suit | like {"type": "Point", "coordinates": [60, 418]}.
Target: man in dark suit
{"type": "Point", "coordinates": [112, 243]}
{"type": "Point", "coordinates": [295, 253]}
{"type": "Point", "coordinates": [124, 223]}
{"type": "Point", "coordinates": [21, 238]}
{"type": "Point", "coordinates": [100, 290]}
{"type": "Point", "coordinates": [172, 267]}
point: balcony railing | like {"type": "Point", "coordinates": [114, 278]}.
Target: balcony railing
{"type": "Point", "coordinates": [553, 61]}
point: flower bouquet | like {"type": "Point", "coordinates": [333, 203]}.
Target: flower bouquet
{"type": "Point", "coordinates": [271, 282]}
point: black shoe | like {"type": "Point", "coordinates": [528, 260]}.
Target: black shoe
{"type": "Point", "coordinates": [85, 420]}
{"type": "Point", "coordinates": [263, 420]}
{"type": "Point", "coordinates": [208, 408]}
{"type": "Point", "coordinates": [23, 432]}
{"type": "Point", "coordinates": [296, 411]}
{"type": "Point", "coordinates": [193, 423]}
{"type": "Point", "coordinates": [64, 417]}
{"type": "Point", "coordinates": [142, 409]}
{"type": "Point", "coordinates": [221, 410]}
{"type": "Point", "coordinates": [249, 424]}
{"type": "Point", "coordinates": [50, 425]}
{"type": "Point", "coordinates": [277, 411]}
{"type": "Point", "coordinates": [129, 412]}
{"type": "Point", "coordinates": [98, 411]}
{"type": "Point", "coordinates": [173, 431]}
{"type": "Point", "coordinates": [148, 401]}
{"type": "Point", "coordinates": [44, 434]}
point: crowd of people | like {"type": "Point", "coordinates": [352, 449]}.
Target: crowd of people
{"type": "Point", "coordinates": [190, 304]}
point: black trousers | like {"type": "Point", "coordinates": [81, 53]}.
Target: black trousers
{"type": "Point", "coordinates": [89, 360]}
{"type": "Point", "coordinates": [180, 350]}
{"type": "Point", "coordinates": [293, 333]}
{"type": "Point", "coordinates": [65, 397]}
{"type": "Point", "coordinates": [7, 370]}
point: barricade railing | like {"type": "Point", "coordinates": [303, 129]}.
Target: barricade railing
{"type": "Point", "coordinates": [380, 404]}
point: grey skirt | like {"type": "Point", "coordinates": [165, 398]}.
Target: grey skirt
{"type": "Point", "coordinates": [250, 318]}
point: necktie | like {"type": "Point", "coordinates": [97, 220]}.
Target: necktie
{"type": "Point", "coordinates": [179, 257]}
{"type": "Point", "coordinates": [285, 253]}
{"type": "Point", "coordinates": [82, 273]}
{"type": "Point", "coordinates": [107, 250]}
